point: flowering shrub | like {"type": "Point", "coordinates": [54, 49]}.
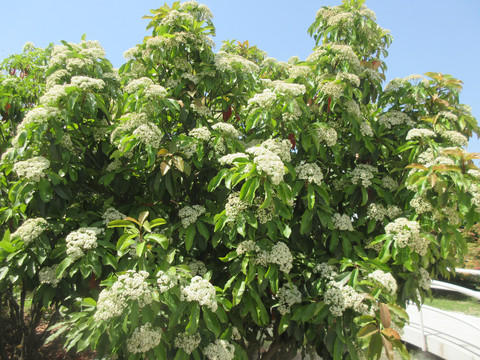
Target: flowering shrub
{"type": "Point", "coordinates": [227, 205]}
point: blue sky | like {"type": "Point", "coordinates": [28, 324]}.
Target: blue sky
{"type": "Point", "coordinates": [429, 35]}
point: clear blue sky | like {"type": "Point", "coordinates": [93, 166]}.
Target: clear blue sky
{"type": "Point", "coordinates": [429, 35]}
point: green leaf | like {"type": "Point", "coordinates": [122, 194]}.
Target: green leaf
{"type": "Point", "coordinates": [306, 223]}
{"type": "Point", "coordinates": [159, 238]}
{"type": "Point", "coordinates": [142, 217]}
{"type": "Point", "coordinates": [217, 179]}
{"type": "Point", "coordinates": [140, 248]}
{"type": "Point", "coordinates": [190, 236]}
{"type": "Point", "coordinates": [157, 222]}
{"type": "Point", "coordinates": [62, 267]}
{"type": "Point", "coordinates": [194, 318]}
{"type": "Point", "coordinates": [211, 321]}
{"type": "Point", "coordinates": [120, 223]}
{"type": "Point", "coordinates": [284, 322]}
{"type": "Point", "coordinates": [202, 229]}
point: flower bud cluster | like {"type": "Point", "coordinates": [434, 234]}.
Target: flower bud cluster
{"type": "Point", "coordinates": [386, 280]}
{"type": "Point", "coordinates": [80, 240]}
{"type": "Point", "coordinates": [310, 173]}
{"type": "Point", "coordinates": [326, 271]}
{"type": "Point", "coordinates": [363, 175]}
{"type": "Point", "coordinates": [407, 233]}
{"type": "Point", "coordinates": [32, 169]}
{"type": "Point", "coordinates": [186, 342]}
{"type": "Point", "coordinates": [201, 291]}
{"type": "Point", "coordinates": [342, 297]}
{"type": "Point", "coordinates": [143, 339]}
{"type": "Point", "coordinates": [47, 275]}
{"type": "Point", "coordinates": [327, 135]}
{"type": "Point", "coordinates": [288, 295]}
{"type": "Point", "coordinates": [31, 229]}
{"type": "Point", "coordinates": [202, 133]}
{"type": "Point", "coordinates": [130, 286]}
{"type": "Point", "coordinates": [190, 214]}
{"type": "Point", "coordinates": [219, 350]}
{"type": "Point", "coordinates": [112, 214]}
{"type": "Point", "coordinates": [342, 222]}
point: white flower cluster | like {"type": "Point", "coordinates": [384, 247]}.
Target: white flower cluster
{"type": "Point", "coordinates": [448, 115]}
{"type": "Point", "coordinates": [234, 205]}
{"type": "Point", "coordinates": [56, 78]}
{"type": "Point", "coordinates": [342, 19]}
{"type": "Point", "coordinates": [155, 91]}
{"type": "Point", "coordinates": [186, 342]}
{"type": "Point", "coordinates": [174, 17]}
{"type": "Point", "coordinates": [393, 118]}
{"type": "Point", "coordinates": [219, 350]}
{"type": "Point", "coordinates": [376, 211]}
{"type": "Point", "coordinates": [342, 222]}
{"type": "Point", "coordinates": [31, 229]}
{"type": "Point", "coordinates": [114, 165]}
{"type": "Point", "coordinates": [263, 100]}
{"type": "Point", "coordinates": [282, 148]}
{"type": "Point", "coordinates": [112, 214]}
{"type": "Point", "coordinates": [281, 255]}
{"type": "Point", "coordinates": [421, 204]}
{"type": "Point", "coordinates": [341, 297]}
{"type": "Point", "coordinates": [456, 138]}
{"type": "Point", "coordinates": [87, 83]}
{"type": "Point", "coordinates": [386, 280]}
{"type": "Point", "coordinates": [352, 107]}
{"type": "Point", "coordinates": [201, 11]}
{"type": "Point", "coordinates": [326, 271]}
{"type": "Point", "coordinates": [407, 233]}
{"type": "Point", "coordinates": [197, 267]}
{"type": "Point", "coordinates": [143, 339]}
{"type": "Point", "coordinates": [297, 71]}
{"type": "Point", "coordinates": [266, 214]}
{"type": "Point", "coordinates": [309, 172]}
{"type": "Point", "coordinates": [65, 55]}
{"type": "Point", "coordinates": [38, 115]}
{"type": "Point", "coordinates": [268, 162]}
{"type": "Point", "coordinates": [363, 175]}
{"type": "Point", "coordinates": [130, 286]}
{"type": "Point", "coordinates": [82, 239]}
{"type": "Point", "coordinates": [424, 281]}
{"type": "Point", "coordinates": [149, 134]}
{"type": "Point", "coordinates": [47, 275]}
{"type": "Point", "coordinates": [288, 295]}
{"type": "Point", "coordinates": [379, 212]}
{"type": "Point", "coordinates": [202, 133]}
{"type": "Point", "coordinates": [389, 184]}
{"type": "Point", "coordinates": [345, 53]}
{"type": "Point", "coordinates": [366, 129]}
{"type": "Point", "coordinates": [289, 116]}
{"type": "Point", "coordinates": [420, 133]}
{"type": "Point", "coordinates": [332, 90]}
{"type": "Point", "coordinates": [166, 280]}
{"type": "Point", "coordinates": [327, 135]}
{"type": "Point", "coordinates": [53, 95]}
{"type": "Point", "coordinates": [288, 89]}
{"type": "Point", "coordinates": [474, 173]}
{"type": "Point", "coordinates": [247, 246]}
{"type": "Point", "coordinates": [231, 62]}
{"type": "Point", "coordinates": [137, 84]}
{"type": "Point", "coordinates": [32, 169]}
{"type": "Point", "coordinates": [226, 129]}
{"type": "Point", "coordinates": [352, 79]}
{"type": "Point", "coordinates": [229, 158]}
{"type": "Point", "coordinates": [190, 214]}
{"type": "Point", "coordinates": [201, 291]}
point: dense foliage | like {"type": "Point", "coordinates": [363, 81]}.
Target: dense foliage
{"type": "Point", "coordinates": [227, 205]}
